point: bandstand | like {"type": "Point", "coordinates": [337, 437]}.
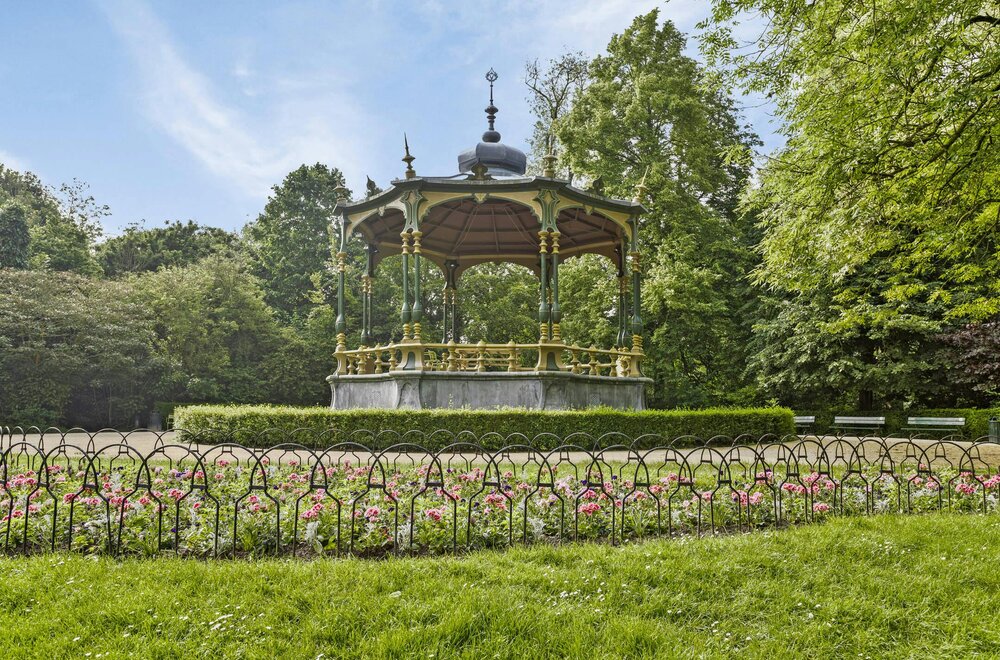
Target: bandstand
{"type": "Point", "coordinates": [490, 212]}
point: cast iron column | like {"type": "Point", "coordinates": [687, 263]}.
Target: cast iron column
{"type": "Point", "coordinates": [406, 314]}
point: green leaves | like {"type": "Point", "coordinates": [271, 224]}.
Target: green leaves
{"type": "Point", "coordinates": [290, 241]}
{"type": "Point", "coordinates": [647, 109]}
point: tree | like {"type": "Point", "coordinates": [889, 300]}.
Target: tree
{"type": "Point", "coordinates": [890, 110]}
{"type": "Point", "coordinates": [880, 214]}
{"type": "Point", "coordinates": [289, 243]}
{"type": "Point", "coordinates": [73, 351]}
{"type": "Point", "coordinates": [551, 91]}
{"type": "Point", "coordinates": [13, 236]}
{"type": "Point", "coordinates": [177, 243]}
{"type": "Point", "coordinates": [648, 116]}
{"type": "Point", "coordinates": [213, 324]}
{"type": "Point", "coordinates": [972, 356]}
{"type": "Point", "coordinates": [64, 241]}
{"type": "Point", "coordinates": [62, 225]}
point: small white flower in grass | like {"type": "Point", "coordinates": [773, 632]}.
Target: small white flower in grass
{"type": "Point", "coordinates": [395, 594]}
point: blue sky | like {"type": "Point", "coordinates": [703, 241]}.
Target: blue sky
{"type": "Point", "coordinates": [193, 110]}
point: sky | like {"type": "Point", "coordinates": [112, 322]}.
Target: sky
{"type": "Point", "coordinates": [193, 110]}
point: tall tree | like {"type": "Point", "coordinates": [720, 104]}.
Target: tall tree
{"type": "Point", "coordinates": [551, 90]}
{"type": "Point", "coordinates": [885, 201]}
{"type": "Point", "coordinates": [62, 225]}
{"type": "Point", "coordinates": [289, 243]}
{"type": "Point", "coordinates": [646, 114]}
{"type": "Point", "coordinates": [13, 236]}
{"type": "Point", "coordinates": [891, 112]}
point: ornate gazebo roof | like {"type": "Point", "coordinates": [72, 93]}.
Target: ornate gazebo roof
{"type": "Point", "coordinates": [473, 220]}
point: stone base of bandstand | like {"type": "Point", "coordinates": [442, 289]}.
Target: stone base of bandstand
{"type": "Point", "coordinates": [542, 390]}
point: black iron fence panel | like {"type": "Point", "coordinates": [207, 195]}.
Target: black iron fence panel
{"type": "Point", "coordinates": [144, 493]}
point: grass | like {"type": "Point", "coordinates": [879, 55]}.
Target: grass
{"type": "Point", "coordinates": [920, 586]}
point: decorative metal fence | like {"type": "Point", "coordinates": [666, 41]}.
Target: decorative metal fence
{"type": "Point", "coordinates": [144, 493]}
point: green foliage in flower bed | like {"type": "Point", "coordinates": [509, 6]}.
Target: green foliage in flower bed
{"type": "Point", "coordinates": [896, 586]}
{"type": "Point", "coordinates": [222, 507]}
{"type": "Point", "coordinates": [245, 423]}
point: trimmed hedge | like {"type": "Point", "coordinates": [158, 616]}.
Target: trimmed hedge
{"type": "Point", "coordinates": [246, 423]}
{"type": "Point", "coordinates": [976, 419]}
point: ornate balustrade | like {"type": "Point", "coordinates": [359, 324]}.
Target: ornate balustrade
{"type": "Point", "coordinates": [482, 357]}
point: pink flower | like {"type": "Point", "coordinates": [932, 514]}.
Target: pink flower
{"type": "Point", "coordinates": [821, 507]}
{"type": "Point", "coordinates": [965, 489]}
{"type": "Point", "coordinates": [175, 493]}
{"type": "Point", "coordinates": [69, 497]}
{"type": "Point", "coordinates": [219, 476]}
{"type": "Point", "coordinates": [309, 514]}
{"type": "Point", "coordinates": [589, 508]}
{"type": "Point", "coordinates": [434, 514]}
{"type": "Point", "coordinates": [756, 498]}
{"type": "Point", "coordinates": [372, 512]}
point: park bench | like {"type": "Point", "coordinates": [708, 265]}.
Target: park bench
{"type": "Point", "coordinates": [946, 425]}
{"type": "Point", "coordinates": [858, 424]}
{"type": "Point", "coordinates": [804, 422]}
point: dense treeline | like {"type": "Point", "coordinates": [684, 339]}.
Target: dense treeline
{"type": "Point", "coordinates": [856, 268]}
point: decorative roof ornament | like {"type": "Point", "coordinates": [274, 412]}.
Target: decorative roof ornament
{"type": "Point", "coordinates": [491, 110]}
{"type": "Point", "coordinates": [408, 159]}
{"type": "Point", "coordinates": [500, 160]}
{"type": "Point", "coordinates": [549, 160]}
{"type": "Point", "coordinates": [641, 189]}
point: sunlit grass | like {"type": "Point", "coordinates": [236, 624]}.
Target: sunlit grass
{"type": "Point", "coordinates": [881, 587]}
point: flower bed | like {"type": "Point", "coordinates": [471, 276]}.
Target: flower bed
{"type": "Point", "coordinates": [349, 500]}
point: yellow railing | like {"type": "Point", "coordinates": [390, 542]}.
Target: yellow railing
{"type": "Point", "coordinates": [482, 357]}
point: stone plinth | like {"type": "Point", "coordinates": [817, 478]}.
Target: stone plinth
{"type": "Point", "coordinates": [486, 390]}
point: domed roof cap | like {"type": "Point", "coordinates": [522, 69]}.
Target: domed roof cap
{"type": "Point", "coordinates": [499, 159]}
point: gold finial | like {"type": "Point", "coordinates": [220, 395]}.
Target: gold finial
{"type": "Point", "coordinates": [641, 189]}
{"type": "Point", "coordinates": [549, 160]}
{"type": "Point", "coordinates": [408, 159]}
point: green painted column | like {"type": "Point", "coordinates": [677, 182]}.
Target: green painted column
{"type": "Point", "coordinates": [406, 313]}
{"type": "Point", "coordinates": [556, 312]}
{"type": "Point", "coordinates": [417, 312]}
{"type": "Point", "coordinates": [544, 311]}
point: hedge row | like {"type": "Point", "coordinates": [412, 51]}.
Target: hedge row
{"type": "Point", "coordinates": [976, 419]}
{"type": "Point", "coordinates": [245, 424]}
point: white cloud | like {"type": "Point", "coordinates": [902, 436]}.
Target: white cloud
{"type": "Point", "coordinates": [251, 152]}
{"type": "Point", "coordinates": [12, 162]}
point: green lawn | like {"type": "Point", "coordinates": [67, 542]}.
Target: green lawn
{"type": "Point", "coordinates": [924, 586]}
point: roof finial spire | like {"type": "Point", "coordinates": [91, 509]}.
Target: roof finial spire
{"type": "Point", "coordinates": [491, 110]}
{"type": "Point", "coordinates": [549, 159]}
{"type": "Point", "coordinates": [641, 189]}
{"type": "Point", "coordinates": [408, 159]}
